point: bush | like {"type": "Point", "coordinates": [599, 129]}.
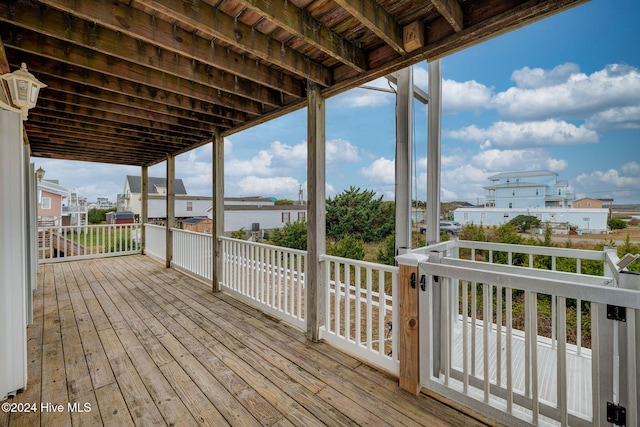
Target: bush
{"type": "Point", "coordinates": [616, 224]}
{"type": "Point", "coordinates": [98, 216]}
{"type": "Point", "coordinates": [347, 247]}
{"type": "Point", "coordinates": [387, 253]}
{"type": "Point", "coordinates": [239, 234]}
{"type": "Point", "coordinates": [523, 223]}
{"type": "Point", "coordinates": [293, 235]}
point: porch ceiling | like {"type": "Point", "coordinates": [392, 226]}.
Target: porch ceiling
{"type": "Point", "coordinates": [131, 81]}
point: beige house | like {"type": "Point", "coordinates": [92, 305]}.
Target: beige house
{"type": "Point", "coordinates": [587, 202]}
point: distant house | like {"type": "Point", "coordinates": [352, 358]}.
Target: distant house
{"type": "Point", "coordinates": [586, 203]}
{"type": "Point", "coordinates": [258, 217]}
{"type": "Point", "coordinates": [50, 196]}
{"type": "Point", "coordinates": [534, 193]}
{"type": "Point", "coordinates": [198, 225]}
{"type": "Point", "coordinates": [131, 197]}
{"type": "Point", "coordinates": [529, 189]}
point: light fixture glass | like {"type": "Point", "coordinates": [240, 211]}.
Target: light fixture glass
{"type": "Point", "coordinates": [23, 89]}
{"type": "Point", "coordinates": [40, 173]}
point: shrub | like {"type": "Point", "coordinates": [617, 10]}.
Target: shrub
{"type": "Point", "coordinates": [347, 247]}
{"type": "Point", "coordinates": [387, 253]}
{"type": "Point", "coordinates": [616, 224]}
{"type": "Point", "coordinates": [293, 235]}
{"type": "Point", "coordinates": [239, 234]}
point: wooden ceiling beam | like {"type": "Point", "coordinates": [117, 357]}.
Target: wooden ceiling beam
{"type": "Point", "coordinates": [451, 11]}
{"type": "Point", "coordinates": [211, 22]}
{"type": "Point", "coordinates": [56, 149]}
{"type": "Point", "coordinates": [45, 119]}
{"type": "Point", "coordinates": [122, 139]}
{"type": "Point", "coordinates": [125, 19]}
{"type": "Point", "coordinates": [376, 19]}
{"type": "Point", "coordinates": [104, 107]}
{"type": "Point", "coordinates": [301, 24]}
{"type": "Point", "coordinates": [191, 96]}
{"type": "Point", "coordinates": [148, 126]}
{"type": "Point", "coordinates": [100, 45]}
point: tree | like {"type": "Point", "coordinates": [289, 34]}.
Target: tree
{"type": "Point", "coordinates": [283, 202]}
{"type": "Point", "coordinates": [523, 223]}
{"type": "Point", "coordinates": [347, 247]}
{"type": "Point", "coordinates": [293, 235]}
{"type": "Point", "coordinates": [387, 252]}
{"type": "Point", "coordinates": [98, 216]}
{"type": "Point", "coordinates": [616, 224]}
{"type": "Point", "coordinates": [360, 214]}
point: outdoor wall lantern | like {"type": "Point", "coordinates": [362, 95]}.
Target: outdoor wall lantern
{"type": "Point", "coordinates": [23, 89]}
{"type": "Point", "coordinates": [40, 174]}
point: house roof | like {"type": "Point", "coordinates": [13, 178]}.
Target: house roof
{"type": "Point", "coordinates": [514, 185]}
{"type": "Point", "coordinates": [522, 174]}
{"type": "Point", "coordinates": [135, 184]}
{"type": "Point", "coordinates": [132, 81]}
{"type": "Point", "coordinates": [53, 187]}
{"type": "Point", "coordinates": [195, 220]}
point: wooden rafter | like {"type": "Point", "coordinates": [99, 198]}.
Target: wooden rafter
{"type": "Point", "coordinates": [451, 11]}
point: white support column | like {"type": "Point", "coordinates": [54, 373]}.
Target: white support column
{"type": "Point", "coordinates": [404, 145]}
{"type": "Point", "coordinates": [316, 213]}
{"type": "Point", "coordinates": [13, 256]}
{"type": "Point", "coordinates": [217, 151]}
{"type": "Point", "coordinates": [171, 207]}
{"type": "Point", "coordinates": [144, 204]}
{"type": "Point", "coordinates": [434, 123]}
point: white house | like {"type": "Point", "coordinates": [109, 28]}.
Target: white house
{"type": "Point", "coordinates": [258, 217]}
{"type": "Point", "coordinates": [130, 199]}
{"type": "Point", "coordinates": [535, 193]}
{"type": "Point", "coordinates": [532, 189]}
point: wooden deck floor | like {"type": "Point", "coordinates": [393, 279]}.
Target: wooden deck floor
{"type": "Point", "coordinates": [133, 343]}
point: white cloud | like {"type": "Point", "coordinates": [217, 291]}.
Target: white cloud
{"type": "Point", "coordinates": [631, 168]}
{"type": "Point", "coordinates": [259, 164]}
{"type": "Point", "coordinates": [381, 171]}
{"type": "Point", "coordinates": [362, 97]}
{"type": "Point", "coordinates": [295, 154]}
{"type": "Point", "coordinates": [609, 177]}
{"type": "Point", "coordinates": [464, 96]}
{"type": "Point", "coordinates": [615, 119]}
{"type": "Point", "coordinates": [277, 186]}
{"type": "Point", "coordinates": [529, 78]}
{"type": "Point", "coordinates": [565, 92]}
{"type": "Point", "coordinates": [528, 134]}
{"type": "Point", "coordinates": [341, 150]}
{"type": "Point", "coordinates": [507, 160]}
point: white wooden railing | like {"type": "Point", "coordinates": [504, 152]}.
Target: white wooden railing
{"type": "Point", "coordinates": [361, 310]}
{"type": "Point", "coordinates": [266, 276]}
{"type": "Point", "coordinates": [476, 354]}
{"type": "Point", "coordinates": [192, 253]}
{"type": "Point", "coordinates": [155, 241]}
{"type": "Point", "coordinates": [57, 243]}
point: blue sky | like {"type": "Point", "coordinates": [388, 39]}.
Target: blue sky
{"type": "Point", "coordinates": [562, 94]}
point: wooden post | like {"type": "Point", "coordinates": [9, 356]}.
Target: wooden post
{"type": "Point", "coordinates": [144, 212]}
{"type": "Point", "coordinates": [316, 226]}
{"type": "Point", "coordinates": [217, 212]}
{"type": "Point", "coordinates": [409, 350]}
{"type": "Point", "coordinates": [171, 207]}
{"type": "Point", "coordinates": [404, 144]}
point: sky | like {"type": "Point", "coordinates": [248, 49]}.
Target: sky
{"type": "Point", "coordinates": [562, 94]}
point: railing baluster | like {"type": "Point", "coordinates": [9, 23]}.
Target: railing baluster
{"type": "Point", "coordinates": [509, 338]}
{"type": "Point", "coordinates": [347, 303]}
{"type": "Point", "coordinates": [533, 338]}
{"type": "Point", "coordinates": [562, 361]}
{"type": "Point", "coordinates": [369, 309]}
{"type": "Point", "coordinates": [474, 309]}
{"type": "Point", "coordinates": [499, 336]}
{"type": "Point", "coordinates": [486, 313]}
{"type": "Point", "coordinates": [465, 336]}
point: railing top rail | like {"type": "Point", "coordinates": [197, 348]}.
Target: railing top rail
{"type": "Point", "coordinates": [262, 245]}
{"type": "Point", "coordinates": [179, 230]}
{"type": "Point", "coordinates": [518, 279]}
{"type": "Point", "coordinates": [358, 263]}
{"type": "Point", "coordinates": [147, 224]}
{"type": "Point", "coordinates": [534, 250]}
{"type": "Point", "coordinates": [438, 247]}
{"type": "Point", "coordinates": [534, 272]}
{"type": "Point", "coordinates": [75, 227]}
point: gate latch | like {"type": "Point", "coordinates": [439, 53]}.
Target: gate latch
{"type": "Point", "coordinates": [616, 414]}
{"type": "Point", "coordinates": [618, 313]}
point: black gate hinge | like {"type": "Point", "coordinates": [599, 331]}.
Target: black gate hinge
{"type": "Point", "coordinates": [615, 312]}
{"type": "Point", "coordinates": [616, 414]}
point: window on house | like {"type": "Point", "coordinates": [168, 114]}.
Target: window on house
{"type": "Point", "coordinates": [302, 216]}
{"type": "Point", "coordinates": [286, 217]}
{"type": "Point", "coordinates": [513, 193]}
{"type": "Point", "coordinates": [537, 192]}
{"type": "Point", "coordinates": [510, 205]}
{"type": "Point", "coordinates": [483, 217]}
{"type": "Point", "coordinates": [189, 206]}
{"type": "Point", "coordinates": [46, 203]}
{"type": "Point", "coordinates": [559, 192]}
{"type": "Point", "coordinates": [505, 215]}
{"type": "Point", "coordinates": [466, 216]}
{"type": "Point", "coordinates": [578, 204]}
{"type": "Point", "coordinates": [588, 204]}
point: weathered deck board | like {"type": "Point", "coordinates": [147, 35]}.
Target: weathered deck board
{"type": "Point", "coordinates": [145, 345]}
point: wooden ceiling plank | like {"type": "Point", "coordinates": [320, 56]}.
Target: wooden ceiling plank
{"type": "Point", "coordinates": [125, 19]}
{"type": "Point", "coordinates": [376, 19]}
{"type": "Point", "coordinates": [192, 96]}
{"type": "Point", "coordinates": [147, 126]}
{"type": "Point", "coordinates": [46, 149]}
{"type": "Point", "coordinates": [108, 128]}
{"type": "Point", "coordinates": [114, 45]}
{"type": "Point", "coordinates": [301, 24]}
{"type": "Point", "coordinates": [451, 11]}
{"type": "Point", "coordinates": [215, 24]}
